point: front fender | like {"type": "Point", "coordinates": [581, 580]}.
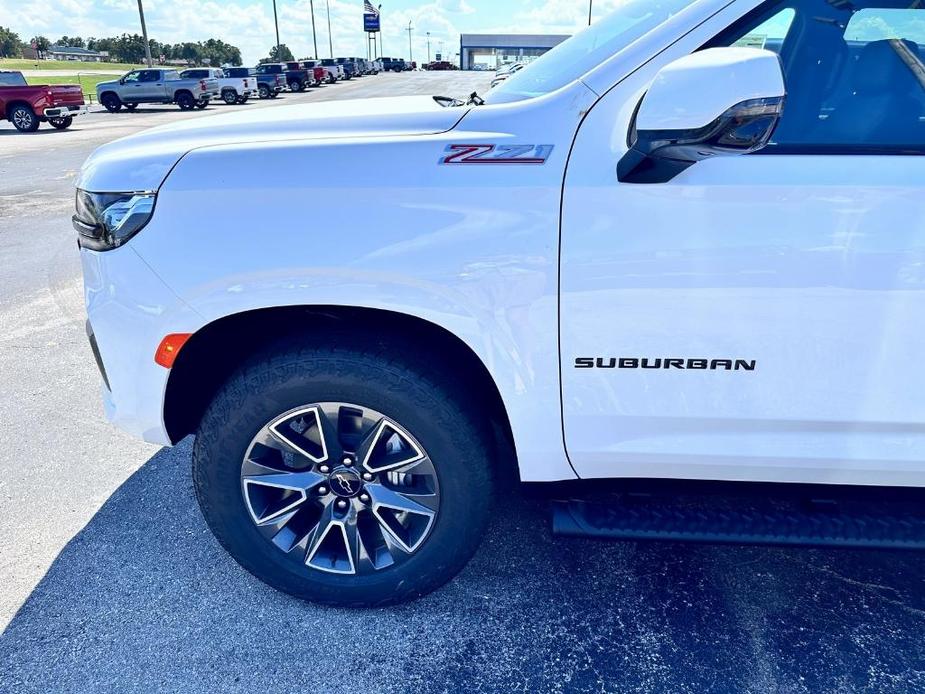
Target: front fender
{"type": "Point", "coordinates": [456, 246]}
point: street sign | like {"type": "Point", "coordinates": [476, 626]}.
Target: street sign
{"type": "Point", "coordinates": [371, 23]}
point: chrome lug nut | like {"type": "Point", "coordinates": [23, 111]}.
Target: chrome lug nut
{"type": "Point", "coordinates": [364, 498]}
{"type": "Point", "coordinates": [348, 461]}
{"type": "Point", "coordinates": [322, 491]}
{"type": "Point", "coordinates": [342, 504]}
{"type": "Point", "coordinates": [324, 469]}
{"type": "Point", "coordinates": [368, 477]}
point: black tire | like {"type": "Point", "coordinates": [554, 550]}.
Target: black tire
{"type": "Point", "coordinates": [202, 103]}
{"type": "Point", "coordinates": [185, 101]}
{"type": "Point", "coordinates": [23, 118]}
{"type": "Point", "coordinates": [111, 102]}
{"type": "Point", "coordinates": [274, 94]}
{"type": "Point", "coordinates": [434, 411]}
{"type": "Point", "coordinates": [62, 123]}
{"type": "Point", "coordinates": [263, 92]}
{"type": "Point", "coordinates": [296, 86]}
{"type": "Point", "coordinates": [131, 107]}
{"type": "Point", "coordinates": [230, 97]}
{"type": "Point", "coordinates": [243, 99]}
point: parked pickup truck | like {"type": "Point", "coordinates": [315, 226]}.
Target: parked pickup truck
{"type": "Point", "coordinates": [327, 74]}
{"type": "Point", "coordinates": [313, 77]}
{"type": "Point", "coordinates": [350, 67]}
{"type": "Point", "coordinates": [232, 89]}
{"type": "Point", "coordinates": [297, 80]}
{"type": "Point", "coordinates": [156, 86]}
{"type": "Point", "coordinates": [393, 64]}
{"type": "Point", "coordinates": [335, 67]}
{"type": "Point", "coordinates": [659, 252]}
{"type": "Point", "coordinates": [27, 106]}
{"type": "Point", "coordinates": [268, 85]}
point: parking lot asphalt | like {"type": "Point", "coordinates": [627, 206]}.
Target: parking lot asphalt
{"type": "Point", "coordinates": [111, 581]}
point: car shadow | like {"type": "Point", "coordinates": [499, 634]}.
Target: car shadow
{"type": "Point", "coordinates": [44, 129]}
{"type": "Point", "coordinates": [144, 598]}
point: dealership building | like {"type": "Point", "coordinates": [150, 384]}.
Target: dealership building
{"type": "Point", "coordinates": [487, 51]}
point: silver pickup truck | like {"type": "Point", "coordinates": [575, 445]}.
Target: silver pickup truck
{"type": "Point", "coordinates": [156, 86]}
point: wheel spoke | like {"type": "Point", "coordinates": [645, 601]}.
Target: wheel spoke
{"type": "Point", "coordinates": [300, 433]}
{"type": "Point", "coordinates": [388, 448]}
{"type": "Point", "coordinates": [296, 480]}
{"type": "Point", "coordinates": [405, 520]}
{"type": "Point", "coordinates": [332, 547]}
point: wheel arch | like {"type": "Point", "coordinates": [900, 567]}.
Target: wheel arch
{"type": "Point", "coordinates": [17, 102]}
{"type": "Point", "coordinates": [212, 354]}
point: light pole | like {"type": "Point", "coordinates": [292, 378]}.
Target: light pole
{"type": "Point", "coordinates": [144, 33]}
{"type": "Point", "coordinates": [276, 24]}
{"type": "Point", "coordinates": [428, 48]}
{"type": "Point", "coordinates": [590, 5]}
{"type": "Point", "coordinates": [311, 5]}
{"type": "Point", "coordinates": [330, 36]}
{"type": "Point", "coordinates": [410, 51]}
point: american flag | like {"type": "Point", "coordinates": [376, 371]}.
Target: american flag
{"type": "Point", "coordinates": [369, 9]}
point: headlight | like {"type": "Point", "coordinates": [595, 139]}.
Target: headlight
{"type": "Point", "coordinates": [107, 220]}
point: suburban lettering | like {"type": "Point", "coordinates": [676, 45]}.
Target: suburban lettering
{"type": "Point", "coordinates": [695, 364]}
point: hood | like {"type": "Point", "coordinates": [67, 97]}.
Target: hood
{"type": "Point", "coordinates": [142, 161]}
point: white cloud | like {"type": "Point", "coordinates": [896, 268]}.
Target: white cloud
{"type": "Point", "coordinates": [248, 24]}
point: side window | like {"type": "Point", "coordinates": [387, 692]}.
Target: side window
{"type": "Point", "coordinates": [854, 72]}
{"type": "Point", "coordinates": [770, 34]}
{"type": "Point", "coordinates": [150, 75]}
{"type": "Point", "coordinates": [131, 77]}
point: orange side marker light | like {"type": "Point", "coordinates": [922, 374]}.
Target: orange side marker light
{"type": "Point", "coordinates": [169, 349]}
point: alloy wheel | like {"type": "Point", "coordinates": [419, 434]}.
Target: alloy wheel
{"type": "Point", "coordinates": [23, 119]}
{"type": "Point", "coordinates": [340, 488]}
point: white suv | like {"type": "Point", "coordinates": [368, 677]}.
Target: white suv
{"type": "Point", "coordinates": [687, 243]}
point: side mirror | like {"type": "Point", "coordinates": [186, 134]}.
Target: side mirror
{"type": "Point", "coordinates": [121, 80]}
{"type": "Point", "coordinates": [713, 102]}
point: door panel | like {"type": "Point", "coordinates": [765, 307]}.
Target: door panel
{"type": "Point", "coordinates": [810, 267]}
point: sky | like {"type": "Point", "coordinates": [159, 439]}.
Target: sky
{"type": "Point", "coordinates": [248, 24]}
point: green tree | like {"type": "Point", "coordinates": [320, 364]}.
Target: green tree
{"type": "Point", "coordinates": [10, 44]}
{"type": "Point", "coordinates": [42, 44]}
{"type": "Point", "coordinates": [71, 41]}
{"type": "Point", "coordinates": [279, 54]}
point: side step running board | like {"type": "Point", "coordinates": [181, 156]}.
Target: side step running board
{"type": "Point", "coordinates": [791, 526]}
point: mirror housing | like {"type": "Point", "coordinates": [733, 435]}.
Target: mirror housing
{"type": "Point", "coordinates": [718, 101]}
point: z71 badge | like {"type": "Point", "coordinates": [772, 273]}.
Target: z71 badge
{"type": "Point", "coordinates": [496, 154]}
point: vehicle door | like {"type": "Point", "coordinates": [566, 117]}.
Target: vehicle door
{"type": "Point", "coordinates": [149, 87]}
{"type": "Point", "coordinates": [759, 316]}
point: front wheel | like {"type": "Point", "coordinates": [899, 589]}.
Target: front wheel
{"type": "Point", "coordinates": [342, 477]}
{"type": "Point", "coordinates": [111, 102]}
{"type": "Point", "coordinates": [230, 97]}
{"type": "Point", "coordinates": [202, 103]}
{"type": "Point", "coordinates": [62, 123]}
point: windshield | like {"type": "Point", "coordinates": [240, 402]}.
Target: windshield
{"type": "Point", "coordinates": [586, 50]}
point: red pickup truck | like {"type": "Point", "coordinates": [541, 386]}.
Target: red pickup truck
{"type": "Point", "coordinates": [26, 106]}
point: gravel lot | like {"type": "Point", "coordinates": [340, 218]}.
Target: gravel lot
{"type": "Point", "coordinates": [111, 581]}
